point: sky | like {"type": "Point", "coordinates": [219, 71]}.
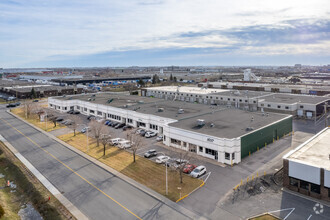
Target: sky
{"type": "Point", "coordinates": [101, 33]}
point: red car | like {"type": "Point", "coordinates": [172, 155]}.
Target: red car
{"type": "Point", "coordinates": [188, 168]}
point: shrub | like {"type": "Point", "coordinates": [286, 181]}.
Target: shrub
{"type": "Point", "coordinates": [2, 212]}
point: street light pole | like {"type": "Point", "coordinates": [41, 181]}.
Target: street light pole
{"type": "Point", "coordinates": [166, 184]}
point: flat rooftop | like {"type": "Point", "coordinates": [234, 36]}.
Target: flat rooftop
{"type": "Point", "coordinates": [186, 89]}
{"type": "Point", "coordinates": [242, 93]}
{"type": "Point", "coordinates": [315, 152]}
{"type": "Point", "coordinates": [229, 123]}
{"type": "Point", "coordinates": [294, 98]}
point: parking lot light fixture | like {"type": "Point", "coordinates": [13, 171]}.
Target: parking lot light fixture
{"type": "Point", "coordinates": [166, 182]}
{"type": "Point", "coordinates": [87, 136]}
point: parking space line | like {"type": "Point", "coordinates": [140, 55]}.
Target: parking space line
{"type": "Point", "coordinates": [309, 217]}
{"type": "Point", "coordinates": [292, 209]}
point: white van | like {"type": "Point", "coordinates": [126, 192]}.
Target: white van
{"type": "Point", "coordinates": [115, 141]}
{"type": "Point", "coordinates": [124, 144]}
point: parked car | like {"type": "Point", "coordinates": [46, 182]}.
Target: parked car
{"type": "Point", "coordinates": [149, 134]}
{"type": "Point", "coordinates": [76, 112]}
{"type": "Point", "coordinates": [120, 125]}
{"type": "Point", "coordinates": [114, 124]}
{"type": "Point", "coordinates": [68, 122]}
{"type": "Point", "coordinates": [124, 144]}
{"type": "Point", "coordinates": [180, 162]}
{"type": "Point", "coordinates": [70, 112]}
{"type": "Point", "coordinates": [10, 105]}
{"type": "Point", "coordinates": [188, 168]}
{"type": "Point", "coordinates": [171, 162]}
{"type": "Point", "coordinates": [36, 100]}
{"type": "Point", "coordinates": [115, 141]}
{"type": "Point", "coordinates": [138, 131]}
{"type": "Point", "coordinates": [110, 123]}
{"type": "Point", "coordinates": [159, 138]}
{"type": "Point", "coordinates": [17, 103]}
{"type": "Point", "coordinates": [198, 171]}
{"type": "Point", "coordinates": [127, 127]}
{"type": "Point", "coordinates": [59, 119]}
{"type": "Point", "coordinates": [150, 153]}
{"type": "Point", "coordinates": [84, 130]}
{"type": "Point", "coordinates": [142, 132]}
{"type": "Point", "coordinates": [106, 122]}
{"type": "Point", "coordinates": [90, 117]}
{"type": "Point", "coordinates": [162, 159]}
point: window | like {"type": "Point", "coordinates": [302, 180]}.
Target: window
{"type": "Point", "coordinates": [200, 149]}
{"type": "Point", "coordinates": [216, 97]}
{"type": "Point", "coordinates": [315, 188]}
{"type": "Point", "coordinates": [240, 100]}
{"type": "Point", "coordinates": [268, 105]}
{"type": "Point", "coordinates": [85, 109]}
{"type": "Point", "coordinates": [246, 100]}
{"type": "Point", "coordinates": [286, 107]}
{"type": "Point", "coordinates": [78, 107]}
{"type": "Point", "coordinates": [278, 106]}
{"type": "Point", "coordinates": [91, 111]}
{"type": "Point", "coordinates": [210, 151]}
{"type": "Point", "coordinates": [164, 138]}
{"type": "Point", "coordinates": [221, 98]}
{"type": "Point", "coordinates": [65, 108]}
{"type": "Point", "coordinates": [227, 156]}
{"type": "Point", "coordinates": [207, 97]}
{"type": "Point", "coordinates": [99, 113]}
{"type": "Point", "coordinates": [293, 182]}
{"type": "Point", "coordinates": [129, 120]}
{"type": "Point", "coordinates": [234, 99]}
{"type": "Point", "coordinates": [304, 185]}
{"type": "Point", "coordinates": [254, 101]}
{"type": "Point", "coordinates": [233, 156]}
{"type": "Point", "coordinates": [301, 106]}
{"type": "Point", "coordinates": [174, 141]}
{"type": "Point", "coordinates": [262, 104]}
{"type": "Point", "coordinates": [228, 99]}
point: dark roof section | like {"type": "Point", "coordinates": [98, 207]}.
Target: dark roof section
{"type": "Point", "coordinates": [98, 79]}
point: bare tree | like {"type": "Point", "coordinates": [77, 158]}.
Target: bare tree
{"type": "Point", "coordinates": [28, 108]}
{"type": "Point", "coordinates": [137, 141]}
{"type": "Point", "coordinates": [75, 122]}
{"type": "Point", "coordinates": [183, 159]}
{"type": "Point", "coordinates": [96, 130]}
{"type": "Point", "coordinates": [105, 138]}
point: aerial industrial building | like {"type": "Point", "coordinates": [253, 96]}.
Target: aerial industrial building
{"type": "Point", "coordinates": [304, 106]}
{"type": "Point", "coordinates": [307, 168]}
{"type": "Point", "coordinates": [217, 132]}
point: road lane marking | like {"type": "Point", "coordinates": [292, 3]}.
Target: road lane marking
{"type": "Point", "coordinates": [69, 168]}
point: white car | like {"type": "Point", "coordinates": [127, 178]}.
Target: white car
{"type": "Point", "coordinates": [162, 159]}
{"type": "Point", "coordinates": [159, 138]}
{"type": "Point", "coordinates": [124, 144]}
{"type": "Point", "coordinates": [115, 141]}
{"type": "Point", "coordinates": [198, 171]}
{"type": "Point", "coordinates": [150, 134]}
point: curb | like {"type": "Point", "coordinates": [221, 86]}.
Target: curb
{"type": "Point", "coordinates": [139, 186]}
{"type": "Point", "coordinates": [50, 187]}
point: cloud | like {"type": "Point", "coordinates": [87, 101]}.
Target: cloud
{"type": "Point", "coordinates": [36, 30]}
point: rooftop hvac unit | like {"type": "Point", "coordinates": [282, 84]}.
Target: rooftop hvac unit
{"type": "Point", "coordinates": [180, 111]}
{"type": "Point", "coordinates": [200, 122]}
{"type": "Point", "coordinates": [249, 129]}
{"type": "Point", "coordinates": [160, 109]}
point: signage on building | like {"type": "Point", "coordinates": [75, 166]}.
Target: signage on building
{"type": "Point", "coordinates": [210, 139]}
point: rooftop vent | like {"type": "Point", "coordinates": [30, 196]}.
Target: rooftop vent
{"type": "Point", "coordinates": [249, 129]}
{"type": "Point", "coordinates": [160, 109]}
{"type": "Point", "coordinates": [200, 122]}
{"type": "Point", "coordinates": [180, 111]}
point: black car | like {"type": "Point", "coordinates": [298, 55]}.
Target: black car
{"type": "Point", "coordinates": [114, 124]}
{"type": "Point", "coordinates": [17, 103]}
{"type": "Point", "coordinates": [59, 119]}
{"type": "Point", "coordinates": [11, 105]}
{"type": "Point", "coordinates": [91, 117]}
{"type": "Point", "coordinates": [127, 127]}
{"type": "Point", "coordinates": [76, 112]}
{"type": "Point", "coordinates": [150, 153]}
{"type": "Point", "coordinates": [70, 112]}
{"type": "Point", "coordinates": [142, 133]}
{"type": "Point", "coordinates": [120, 125]}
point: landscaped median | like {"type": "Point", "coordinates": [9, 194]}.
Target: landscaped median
{"type": "Point", "coordinates": [143, 170]}
{"type": "Point", "coordinates": [34, 119]}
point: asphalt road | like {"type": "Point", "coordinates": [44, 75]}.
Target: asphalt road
{"type": "Point", "coordinates": [96, 192]}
